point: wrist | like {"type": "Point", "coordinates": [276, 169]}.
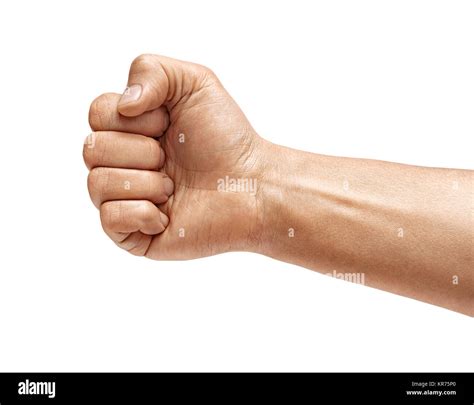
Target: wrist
{"type": "Point", "coordinates": [281, 192]}
{"type": "Point", "coordinates": [296, 207]}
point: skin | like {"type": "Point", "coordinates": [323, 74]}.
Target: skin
{"type": "Point", "coordinates": [159, 151]}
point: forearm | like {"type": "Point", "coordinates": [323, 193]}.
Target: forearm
{"type": "Point", "coordinates": [220, 187]}
{"type": "Point", "coordinates": [406, 229]}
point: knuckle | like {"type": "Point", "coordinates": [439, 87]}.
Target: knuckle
{"type": "Point", "coordinates": [208, 71]}
{"type": "Point", "coordinates": [144, 61]}
{"type": "Point", "coordinates": [110, 215]}
{"type": "Point", "coordinates": [204, 69]}
{"type": "Point", "coordinates": [92, 179]}
{"type": "Point", "coordinates": [97, 182]}
{"type": "Point", "coordinates": [92, 150]}
{"type": "Point", "coordinates": [98, 110]}
{"type": "Point", "coordinates": [95, 113]}
{"type": "Point", "coordinates": [145, 214]}
{"type": "Point", "coordinates": [207, 74]}
{"type": "Point", "coordinates": [88, 149]}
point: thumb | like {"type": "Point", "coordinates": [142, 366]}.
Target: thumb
{"type": "Point", "coordinates": [156, 80]}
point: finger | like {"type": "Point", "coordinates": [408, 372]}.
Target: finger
{"type": "Point", "coordinates": [122, 150]}
{"type": "Point", "coordinates": [155, 81]}
{"type": "Point", "coordinates": [108, 184]}
{"type": "Point", "coordinates": [104, 116]}
{"type": "Point", "coordinates": [131, 224]}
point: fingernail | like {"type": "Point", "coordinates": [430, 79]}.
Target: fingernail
{"type": "Point", "coordinates": [164, 219]}
{"type": "Point", "coordinates": [131, 93]}
{"type": "Point", "coordinates": [168, 185]}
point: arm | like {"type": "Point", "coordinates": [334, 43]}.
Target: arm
{"type": "Point", "coordinates": [404, 229]}
{"type": "Point", "coordinates": [165, 158]}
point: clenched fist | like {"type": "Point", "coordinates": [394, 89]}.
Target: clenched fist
{"type": "Point", "coordinates": [174, 163]}
{"type": "Point", "coordinates": [178, 172]}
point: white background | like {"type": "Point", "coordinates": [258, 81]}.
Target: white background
{"type": "Point", "coordinates": [391, 80]}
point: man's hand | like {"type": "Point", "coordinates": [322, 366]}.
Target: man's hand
{"type": "Point", "coordinates": [216, 186]}
{"type": "Point", "coordinates": [174, 163]}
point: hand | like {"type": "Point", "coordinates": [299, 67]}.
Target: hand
{"type": "Point", "coordinates": [208, 150]}
{"type": "Point", "coordinates": [214, 186]}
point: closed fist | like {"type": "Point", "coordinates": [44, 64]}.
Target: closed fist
{"type": "Point", "coordinates": [168, 160]}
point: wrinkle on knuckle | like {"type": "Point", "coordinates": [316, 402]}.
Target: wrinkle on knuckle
{"type": "Point", "coordinates": [112, 215]}
{"type": "Point", "coordinates": [98, 180]}
{"type": "Point", "coordinates": [207, 71]}
{"type": "Point", "coordinates": [95, 113]}
{"type": "Point", "coordinates": [107, 215]}
{"type": "Point", "coordinates": [92, 151]}
{"type": "Point", "coordinates": [100, 110]}
{"type": "Point", "coordinates": [143, 63]}
{"type": "Point", "coordinates": [99, 154]}
{"type": "Point", "coordinates": [87, 151]}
